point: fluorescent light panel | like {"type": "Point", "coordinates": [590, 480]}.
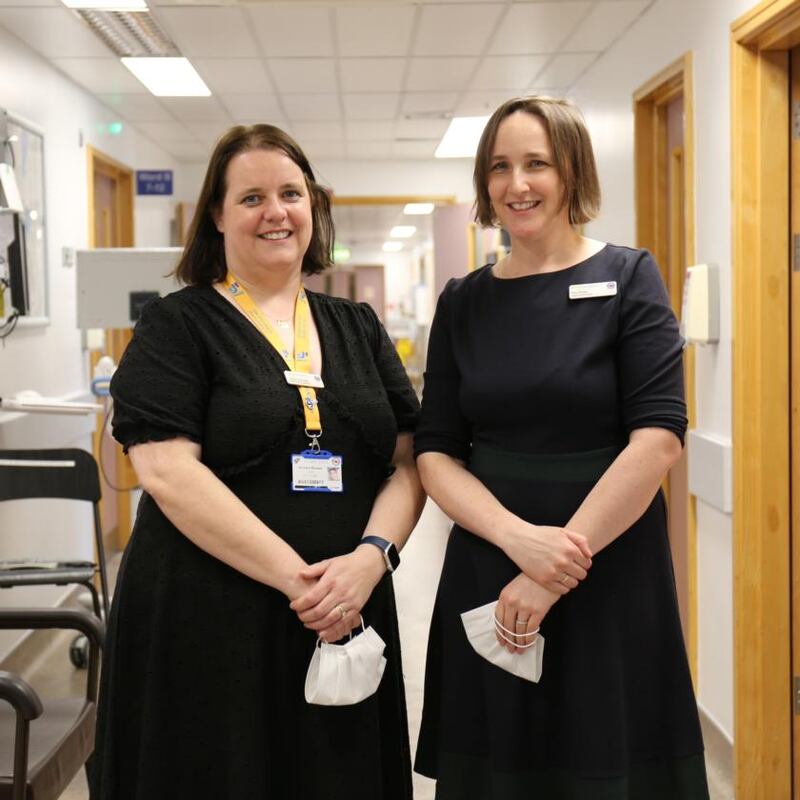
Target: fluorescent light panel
{"type": "Point", "coordinates": [392, 247]}
{"type": "Point", "coordinates": [402, 231]}
{"type": "Point", "coordinates": [415, 209]}
{"type": "Point", "coordinates": [168, 77]}
{"type": "Point", "coordinates": [107, 5]}
{"type": "Point", "coordinates": [461, 138]}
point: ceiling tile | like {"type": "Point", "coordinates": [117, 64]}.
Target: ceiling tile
{"type": "Point", "coordinates": [233, 75]}
{"type": "Point", "coordinates": [371, 106]}
{"type": "Point", "coordinates": [421, 128]}
{"type": "Point", "coordinates": [29, 3]}
{"type": "Point", "coordinates": [371, 74]}
{"type": "Point", "coordinates": [439, 73]}
{"type": "Point", "coordinates": [304, 74]}
{"type": "Point", "coordinates": [162, 132]}
{"type": "Point", "coordinates": [565, 68]}
{"type": "Point", "coordinates": [298, 30]}
{"type": "Point", "coordinates": [455, 31]}
{"type": "Point", "coordinates": [316, 151]}
{"type": "Point", "coordinates": [196, 109]}
{"type": "Point", "coordinates": [428, 102]}
{"type": "Point", "coordinates": [478, 104]}
{"type": "Point", "coordinates": [252, 106]}
{"type": "Point", "coordinates": [508, 72]}
{"type": "Point", "coordinates": [100, 75]}
{"type": "Point", "coordinates": [370, 131]}
{"type": "Point", "coordinates": [604, 23]}
{"type": "Point", "coordinates": [537, 27]}
{"type": "Point", "coordinates": [362, 30]}
{"type": "Point", "coordinates": [209, 32]}
{"type": "Point", "coordinates": [53, 32]}
{"type": "Point", "coordinates": [360, 150]}
{"type": "Point", "coordinates": [424, 149]}
{"type": "Point", "coordinates": [189, 150]}
{"type": "Point", "coordinates": [311, 107]}
{"type": "Point", "coordinates": [317, 131]}
{"type": "Point", "coordinates": [208, 132]}
{"type": "Point", "coordinates": [137, 107]}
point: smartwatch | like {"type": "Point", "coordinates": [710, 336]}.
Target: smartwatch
{"type": "Point", "coordinates": [390, 555]}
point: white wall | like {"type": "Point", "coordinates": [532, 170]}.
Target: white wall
{"type": "Point", "coordinates": [663, 34]}
{"type": "Point", "coordinates": [49, 359]}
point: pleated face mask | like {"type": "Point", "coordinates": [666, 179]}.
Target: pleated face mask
{"type": "Point", "coordinates": [345, 674]}
{"type": "Point", "coordinates": [480, 626]}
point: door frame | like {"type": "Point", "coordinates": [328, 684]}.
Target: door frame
{"type": "Point", "coordinates": [651, 174]}
{"type": "Point", "coordinates": [116, 340]}
{"type": "Point", "coordinates": [760, 41]}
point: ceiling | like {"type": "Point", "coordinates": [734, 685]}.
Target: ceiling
{"type": "Point", "coordinates": [350, 80]}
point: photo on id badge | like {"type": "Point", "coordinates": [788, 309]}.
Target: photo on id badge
{"type": "Point", "coordinates": [316, 472]}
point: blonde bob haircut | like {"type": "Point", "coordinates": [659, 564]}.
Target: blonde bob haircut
{"type": "Point", "coordinates": [572, 154]}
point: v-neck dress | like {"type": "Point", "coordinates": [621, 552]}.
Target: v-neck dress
{"type": "Point", "coordinates": [537, 394]}
{"type": "Point", "coordinates": [202, 693]}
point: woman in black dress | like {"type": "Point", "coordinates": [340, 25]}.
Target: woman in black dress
{"type": "Point", "coordinates": [553, 407]}
{"type": "Point", "coordinates": [227, 392]}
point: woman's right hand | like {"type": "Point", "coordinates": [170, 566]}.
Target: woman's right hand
{"type": "Point", "coordinates": [556, 558]}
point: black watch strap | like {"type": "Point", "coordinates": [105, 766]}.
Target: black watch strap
{"type": "Point", "coordinates": [390, 555]}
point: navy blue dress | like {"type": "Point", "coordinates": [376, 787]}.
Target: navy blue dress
{"type": "Point", "coordinates": [537, 394]}
{"type": "Point", "coordinates": [202, 687]}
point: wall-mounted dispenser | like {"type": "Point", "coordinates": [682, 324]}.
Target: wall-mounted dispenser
{"type": "Point", "coordinates": [700, 314]}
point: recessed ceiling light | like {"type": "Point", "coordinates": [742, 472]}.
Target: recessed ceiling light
{"type": "Point", "coordinates": [168, 77]}
{"type": "Point", "coordinates": [108, 5]}
{"type": "Point", "coordinates": [461, 138]}
{"type": "Point", "coordinates": [414, 209]}
{"type": "Point", "coordinates": [392, 247]}
{"type": "Point", "coordinates": [402, 231]}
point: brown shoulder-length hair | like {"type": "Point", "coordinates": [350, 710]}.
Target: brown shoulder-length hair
{"type": "Point", "coordinates": [572, 153]}
{"type": "Point", "coordinates": [203, 259]}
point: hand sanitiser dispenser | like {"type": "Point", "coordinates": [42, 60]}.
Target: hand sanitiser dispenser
{"type": "Point", "coordinates": [700, 313]}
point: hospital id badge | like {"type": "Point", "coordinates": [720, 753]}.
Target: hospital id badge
{"type": "Point", "coordinates": [316, 471]}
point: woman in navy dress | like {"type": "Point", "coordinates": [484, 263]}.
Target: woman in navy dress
{"type": "Point", "coordinates": [553, 408]}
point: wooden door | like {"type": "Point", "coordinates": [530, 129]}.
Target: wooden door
{"type": "Point", "coordinates": [369, 288]}
{"type": "Point", "coordinates": [793, 263]}
{"type": "Point", "coordinates": [111, 225]}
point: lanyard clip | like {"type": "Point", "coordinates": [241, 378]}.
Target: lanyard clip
{"type": "Point", "coordinates": [314, 443]}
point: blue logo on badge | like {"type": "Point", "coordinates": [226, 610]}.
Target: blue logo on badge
{"type": "Point", "coordinates": [301, 356]}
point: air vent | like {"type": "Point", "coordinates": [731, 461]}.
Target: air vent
{"type": "Point", "coordinates": [129, 33]}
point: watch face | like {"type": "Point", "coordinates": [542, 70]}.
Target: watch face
{"type": "Point", "coordinates": [392, 557]}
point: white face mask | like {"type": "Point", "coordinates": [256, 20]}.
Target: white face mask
{"type": "Point", "coordinates": [344, 674]}
{"type": "Point", "coordinates": [481, 632]}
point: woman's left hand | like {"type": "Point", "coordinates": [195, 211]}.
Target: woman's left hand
{"type": "Point", "coordinates": [521, 607]}
{"type": "Point", "coordinates": [345, 583]}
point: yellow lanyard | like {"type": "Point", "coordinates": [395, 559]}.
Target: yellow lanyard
{"type": "Point", "coordinates": [300, 360]}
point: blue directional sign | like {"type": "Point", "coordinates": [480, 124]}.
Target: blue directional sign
{"type": "Point", "coordinates": [153, 181]}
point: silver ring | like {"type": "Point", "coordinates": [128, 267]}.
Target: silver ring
{"type": "Point", "coordinates": [521, 623]}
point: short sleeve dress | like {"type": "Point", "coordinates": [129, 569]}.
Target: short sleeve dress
{"type": "Point", "coordinates": [202, 694]}
{"type": "Point", "coordinates": [537, 393]}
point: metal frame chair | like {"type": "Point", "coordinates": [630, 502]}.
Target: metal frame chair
{"type": "Point", "coordinates": [65, 473]}
{"type": "Point", "coordinates": [48, 753]}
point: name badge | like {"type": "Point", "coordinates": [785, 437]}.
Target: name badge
{"type": "Point", "coordinates": [580, 291]}
{"type": "Point", "coordinates": [303, 379]}
{"type": "Point", "coordinates": [316, 472]}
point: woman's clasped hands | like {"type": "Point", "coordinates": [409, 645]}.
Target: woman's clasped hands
{"type": "Point", "coordinates": [556, 558]}
{"type": "Point", "coordinates": [339, 589]}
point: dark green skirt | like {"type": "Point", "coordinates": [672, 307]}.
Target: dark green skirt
{"type": "Point", "coordinates": [613, 716]}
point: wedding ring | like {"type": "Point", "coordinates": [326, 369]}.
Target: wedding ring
{"type": "Point", "coordinates": [342, 610]}
{"type": "Point", "coordinates": [521, 623]}
{"type": "Point", "coordinates": [564, 578]}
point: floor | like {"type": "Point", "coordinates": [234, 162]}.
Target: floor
{"type": "Point", "coordinates": [415, 585]}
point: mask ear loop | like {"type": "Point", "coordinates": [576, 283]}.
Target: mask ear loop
{"type": "Point", "coordinates": [356, 628]}
{"type": "Point", "coordinates": [499, 630]}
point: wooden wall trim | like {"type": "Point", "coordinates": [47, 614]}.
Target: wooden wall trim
{"type": "Point", "coordinates": [761, 523]}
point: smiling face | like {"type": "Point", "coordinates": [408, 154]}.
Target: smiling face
{"type": "Point", "coordinates": [525, 189]}
{"type": "Point", "coordinates": [265, 218]}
